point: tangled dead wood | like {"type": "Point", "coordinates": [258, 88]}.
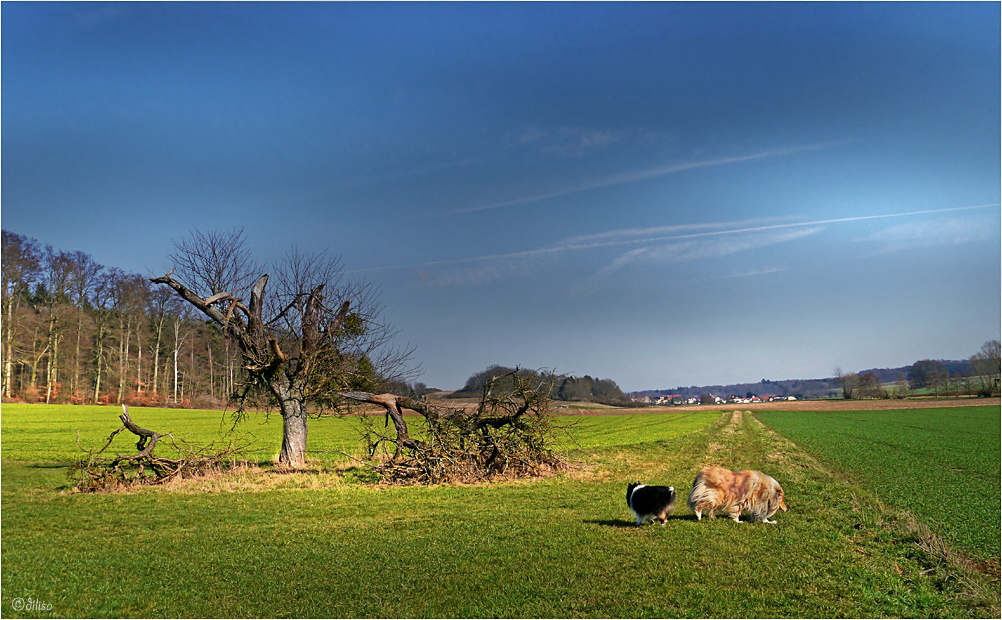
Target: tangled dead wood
{"type": "Point", "coordinates": [96, 472]}
{"type": "Point", "coordinates": [508, 435]}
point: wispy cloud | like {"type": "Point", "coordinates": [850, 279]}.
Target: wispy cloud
{"type": "Point", "coordinates": [575, 141]}
{"type": "Point", "coordinates": [700, 248]}
{"type": "Point", "coordinates": [658, 243]}
{"type": "Point", "coordinates": [473, 274]}
{"type": "Point", "coordinates": [626, 236]}
{"type": "Point", "coordinates": [621, 261]}
{"type": "Point", "coordinates": [953, 231]}
{"type": "Point", "coordinates": [714, 247]}
{"type": "Point", "coordinates": [751, 273]}
{"type": "Point", "coordinates": [91, 15]}
{"type": "Point", "coordinates": [640, 175]}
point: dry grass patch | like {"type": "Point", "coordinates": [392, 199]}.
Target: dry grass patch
{"type": "Point", "coordinates": [736, 421]}
{"type": "Point", "coordinates": [245, 478]}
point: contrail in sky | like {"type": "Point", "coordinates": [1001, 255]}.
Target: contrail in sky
{"type": "Point", "coordinates": [641, 175]}
{"type": "Point", "coordinates": [586, 244]}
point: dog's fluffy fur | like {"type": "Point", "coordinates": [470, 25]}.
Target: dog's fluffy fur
{"type": "Point", "coordinates": [736, 492]}
{"type": "Point", "coordinates": [650, 502]}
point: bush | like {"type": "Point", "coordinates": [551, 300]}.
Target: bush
{"type": "Point", "coordinates": [207, 402]}
{"type": "Point", "coordinates": [30, 394]}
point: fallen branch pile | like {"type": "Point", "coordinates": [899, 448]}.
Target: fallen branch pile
{"type": "Point", "coordinates": [96, 472]}
{"type": "Point", "coordinates": [507, 436]}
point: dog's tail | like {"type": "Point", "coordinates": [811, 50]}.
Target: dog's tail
{"type": "Point", "coordinates": [700, 492]}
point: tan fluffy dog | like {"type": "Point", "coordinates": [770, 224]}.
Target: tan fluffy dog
{"type": "Point", "coordinates": [736, 492]}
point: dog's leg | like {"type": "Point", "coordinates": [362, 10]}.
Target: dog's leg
{"type": "Point", "coordinates": [699, 514]}
{"type": "Point", "coordinates": [766, 520]}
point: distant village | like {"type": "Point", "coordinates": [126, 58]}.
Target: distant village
{"type": "Point", "coordinates": [678, 399]}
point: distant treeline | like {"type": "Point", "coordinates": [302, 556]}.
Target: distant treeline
{"type": "Point", "coordinates": [981, 371]}
{"type": "Point", "coordinates": [562, 387]}
{"type": "Point", "coordinates": [798, 388]}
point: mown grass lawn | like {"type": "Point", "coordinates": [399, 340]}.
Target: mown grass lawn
{"type": "Point", "coordinates": [563, 546]}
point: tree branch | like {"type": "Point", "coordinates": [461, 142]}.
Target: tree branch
{"type": "Point", "coordinates": [391, 403]}
{"type": "Point", "coordinates": [217, 297]}
{"type": "Point", "coordinates": [254, 322]}
{"type": "Point", "coordinates": [311, 324]}
{"type": "Point", "coordinates": [145, 435]}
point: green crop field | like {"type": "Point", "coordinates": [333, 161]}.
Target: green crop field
{"type": "Point", "coordinates": [324, 544]}
{"type": "Point", "coordinates": [942, 465]}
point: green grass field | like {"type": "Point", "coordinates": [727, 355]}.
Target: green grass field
{"type": "Point", "coordinates": [324, 545]}
{"type": "Point", "coordinates": [942, 465]}
{"type": "Point", "coordinates": [48, 433]}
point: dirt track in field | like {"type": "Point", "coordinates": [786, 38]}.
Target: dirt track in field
{"type": "Point", "coordinates": [801, 405]}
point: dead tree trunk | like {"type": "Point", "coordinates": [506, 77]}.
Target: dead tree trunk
{"type": "Point", "coordinates": [295, 429]}
{"type": "Point", "coordinates": [271, 370]}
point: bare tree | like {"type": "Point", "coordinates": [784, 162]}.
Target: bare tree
{"type": "Point", "coordinates": [20, 266]}
{"type": "Point", "coordinates": [158, 311]}
{"type": "Point", "coordinates": [868, 386]}
{"type": "Point", "coordinates": [130, 300]}
{"type": "Point", "coordinates": [987, 364]}
{"type": "Point", "coordinates": [57, 268]}
{"type": "Point", "coordinates": [849, 381]}
{"type": "Point", "coordinates": [313, 337]}
{"type": "Point", "coordinates": [215, 261]}
{"type": "Point", "coordinates": [104, 309]}
{"type": "Point", "coordinates": [178, 315]}
{"type": "Point", "coordinates": [83, 277]}
{"type": "Point", "coordinates": [927, 374]}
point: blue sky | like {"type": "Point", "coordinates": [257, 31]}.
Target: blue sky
{"type": "Point", "coordinates": [658, 193]}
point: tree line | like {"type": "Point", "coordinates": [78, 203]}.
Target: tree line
{"type": "Point", "coordinates": [978, 375]}
{"type": "Point", "coordinates": [799, 388]}
{"type": "Point", "coordinates": [76, 331]}
{"type": "Point", "coordinates": [559, 387]}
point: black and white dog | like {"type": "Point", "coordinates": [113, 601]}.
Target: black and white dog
{"type": "Point", "coordinates": [650, 502]}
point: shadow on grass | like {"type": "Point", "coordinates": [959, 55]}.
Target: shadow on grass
{"type": "Point", "coordinates": [633, 523]}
